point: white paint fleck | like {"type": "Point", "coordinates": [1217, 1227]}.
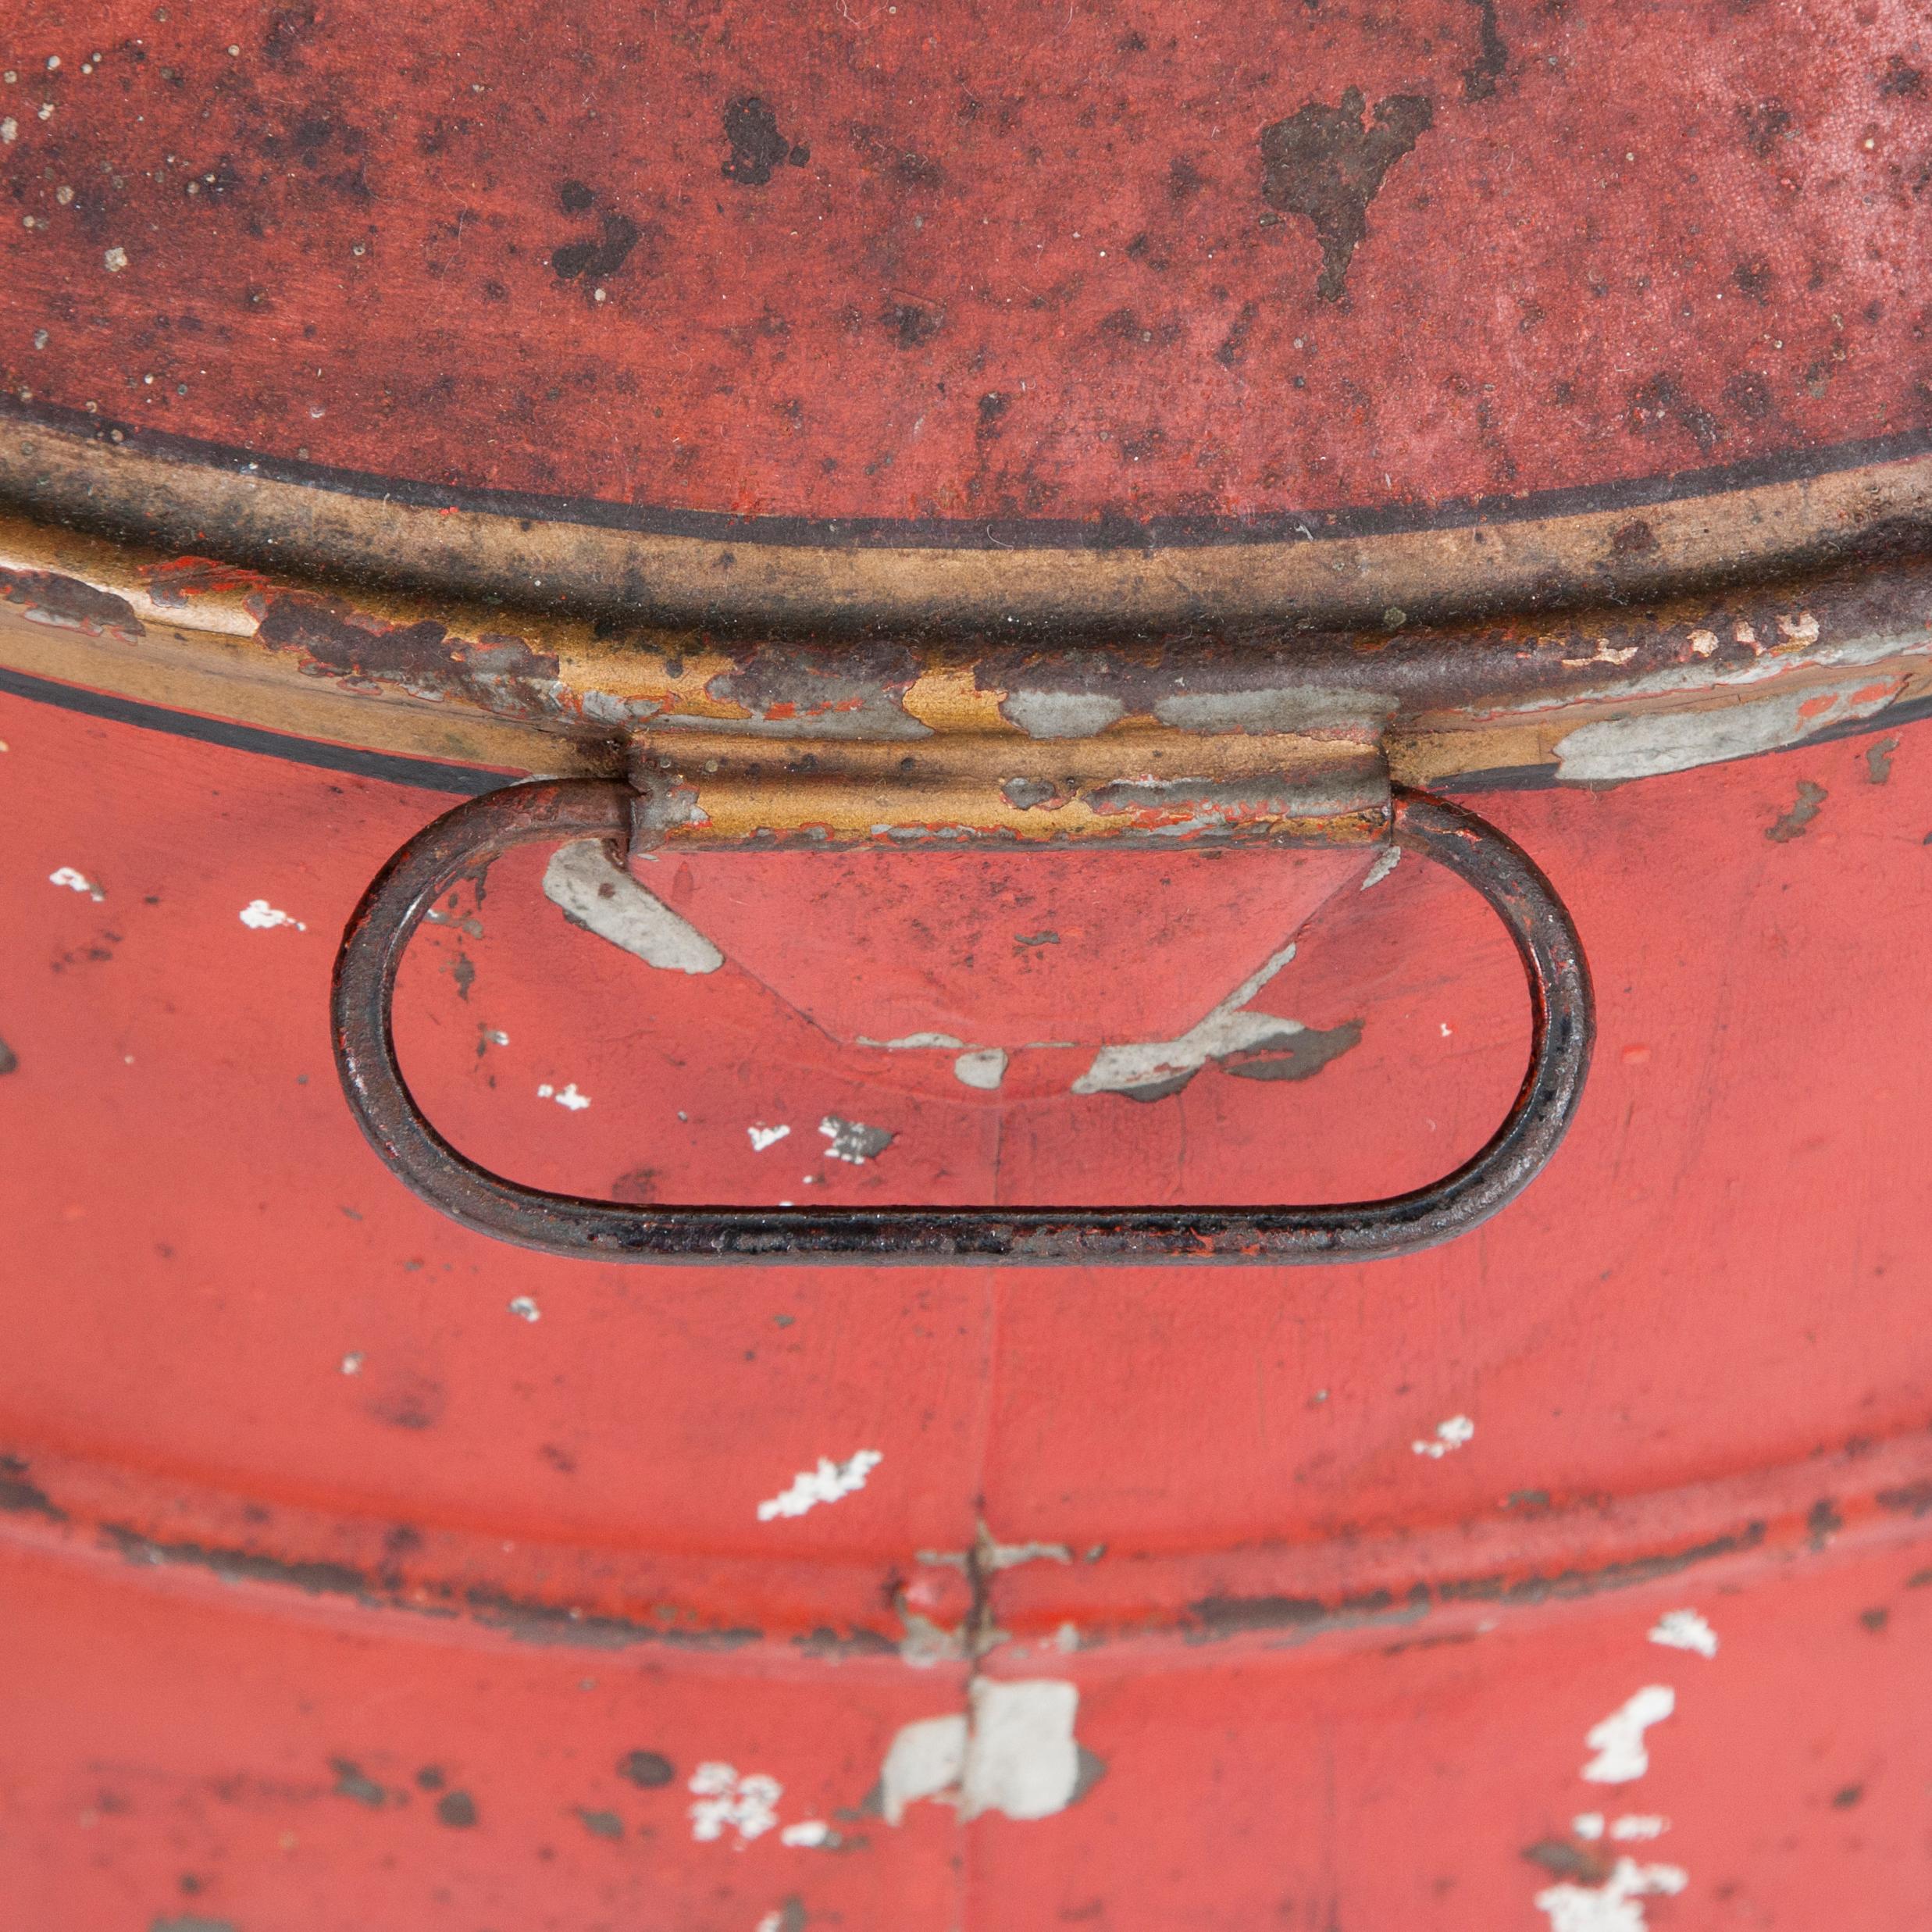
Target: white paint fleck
{"type": "Point", "coordinates": [809, 1831]}
{"type": "Point", "coordinates": [1226, 1030]}
{"type": "Point", "coordinates": [566, 1096]}
{"type": "Point", "coordinates": [984, 1068]}
{"type": "Point", "coordinates": [913, 1040]}
{"type": "Point", "coordinates": [1684, 1630]}
{"type": "Point", "coordinates": [1021, 1757]}
{"type": "Point", "coordinates": [590, 891]}
{"type": "Point", "coordinates": [115, 259]}
{"type": "Point", "coordinates": [352, 1362]}
{"type": "Point", "coordinates": [1381, 868]}
{"type": "Point", "coordinates": [926, 1759]}
{"type": "Point", "coordinates": [1634, 1825]}
{"type": "Point", "coordinates": [1642, 745]}
{"type": "Point", "coordinates": [75, 881]}
{"type": "Point", "coordinates": [1616, 1905]}
{"type": "Point", "coordinates": [1450, 1435]}
{"type": "Point", "coordinates": [1704, 642]}
{"type": "Point", "coordinates": [1618, 1741]}
{"type": "Point", "coordinates": [259, 916]}
{"type": "Point", "coordinates": [525, 1310]}
{"type": "Point", "coordinates": [772, 1921]}
{"type": "Point", "coordinates": [746, 1805]}
{"type": "Point", "coordinates": [1588, 1824]}
{"type": "Point", "coordinates": [853, 1140]}
{"type": "Point", "coordinates": [764, 1137]}
{"type": "Point", "coordinates": [9, 129]}
{"type": "Point", "coordinates": [1800, 629]}
{"type": "Point", "coordinates": [827, 1483]}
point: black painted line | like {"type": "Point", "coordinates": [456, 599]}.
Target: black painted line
{"type": "Point", "coordinates": [427, 774]}
{"type": "Point", "coordinates": [1103, 533]}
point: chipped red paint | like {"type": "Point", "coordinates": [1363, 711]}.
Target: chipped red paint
{"type": "Point", "coordinates": [857, 263]}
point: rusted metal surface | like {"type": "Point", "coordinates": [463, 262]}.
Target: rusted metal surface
{"type": "Point", "coordinates": [468, 839]}
{"type": "Point", "coordinates": [1596, 693]}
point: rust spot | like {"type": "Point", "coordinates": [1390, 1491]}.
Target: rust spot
{"type": "Point", "coordinates": [1912, 1500]}
{"type": "Point", "coordinates": [1324, 163]}
{"type": "Point", "coordinates": [67, 604]}
{"type": "Point", "coordinates": [856, 691]}
{"type": "Point", "coordinates": [178, 578]}
{"type": "Point", "coordinates": [758, 148]}
{"type": "Point", "coordinates": [1634, 539]}
{"type": "Point", "coordinates": [334, 640]}
{"type": "Point", "coordinates": [457, 1809]}
{"type": "Point", "coordinates": [1792, 824]}
{"type": "Point", "coordinates": [1222, 1616]}
{"type": "Point", "coordinates": [1588, 1864]}
{"type": "Point", "coordinates": [1492, 54]}
{"type": "Point", "coordinates": [597, 261]}
{"type": "Point", "coordinates": [19, 1497]}
{"type": "Point", "coordinates": [241, 1566]}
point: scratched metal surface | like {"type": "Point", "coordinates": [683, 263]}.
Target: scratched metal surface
{"type": "Point", "coordinates": [354, 1560]}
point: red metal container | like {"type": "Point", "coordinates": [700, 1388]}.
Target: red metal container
{"type": "Point", "coordinates": [965, 659]}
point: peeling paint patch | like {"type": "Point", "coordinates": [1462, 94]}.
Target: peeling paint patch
{"type": "Point", "coordinates": [1878, 759]}
{"type": "Point", "coordinates": [79, 882]}
{"type": "Point", "coordinates": [566, 1096]}
{"type": "Point", "coordinates": [1450, 1435]}
{"type": "Point", "coordinates": [1612, 749]}
{"type": "Point", "coordinates": [910, 1042]}
{"type": "Point", "coordinates": [1021, 1757]}
{"type": "Point", "coordinates": [590, 892]}
{"type": "Point", "coordinates": [1381, 868]}
{"type": "Point", "coordinates": [1684, 1630]}
{"type": "Point", "coordinates": [525, 1310]}
{"type": "Point", "coordinates": [926, 1759]}
{"type": "Point", "coordinates": [1618, 1741]}
{"type": "Point", "coordinates": [984, 1068]}
{"type": "Point", "coordinates": [259, 916]}
{"type": "Point", "coordinates": [1151, 1070]}
{"type": "Point", "coordinates": [853, 1141]}
{"type": "Point", "coordinates": [827, 1483]}
{"type": "Point", "coordinates": [1013, 1752]}
{"type": "Point", "coordinates": [746, 1805]}
{"type": "Point", "coordinates": [764, 1137]}
{"type": "Point", "coordinates": [1616, 1905]}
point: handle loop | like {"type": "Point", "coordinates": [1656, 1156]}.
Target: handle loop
{"type": "Point", "coordinates": [477, 831]}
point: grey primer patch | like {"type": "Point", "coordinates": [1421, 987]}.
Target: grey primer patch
{"type": "Point", "coordinates": [590, 892]}
{"type": "Point", "coordinates": [1615, 748]}
{"type": "Point", "coordinates": [190, 1923]}
{"type": "Point", "coordinates": [1061, 713]}
{"type": "Point", "coordinates": [1152, 1070]}
{"type": "Point", "coordinates": [1794, 823]}
{"type": "Point", "coordinates": [350, 1783]}
{"type": "Point", "coordinates": [1291, 708]}
{"type": "Point", "coordinates": [1029, 794]}
{"type": "Point", "coordinates": [853, 1141]}
{"type": "Point", "coordinates": [601, 1824]}
{"type": "Point", "coordinates": [1877, 769]}
{"type": "Point", "coordinates": [9, 1060]}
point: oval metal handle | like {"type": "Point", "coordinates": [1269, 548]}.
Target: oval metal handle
{"type": "Point", "coordinates": [468, 838]}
